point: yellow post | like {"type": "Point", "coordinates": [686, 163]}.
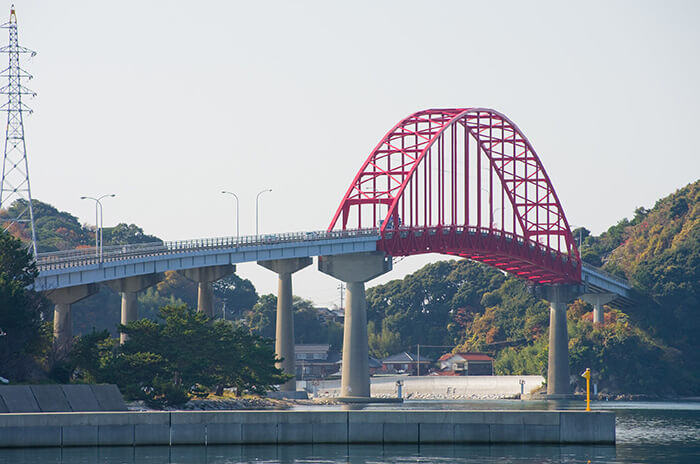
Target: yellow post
{"type": "Point", "coordinates": [587, 376]}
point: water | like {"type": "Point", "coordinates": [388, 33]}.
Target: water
{"type": "Point", "coordinates": [667, 432]}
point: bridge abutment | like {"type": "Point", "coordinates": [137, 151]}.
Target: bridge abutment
{"type": "Point", "coordinates": [284, 328]}
{"type": "Point", "coordinates": [598, 300]}
{"type": "Point", "coordinates": [558, 371]}
{"type": "Point", "coordinates": [62, 299]}
{"type": "Point", "coordinates": [129, 287]}
{"type": "Point", "coordinates": [204, 276]}
{"type": "Point", "coordinates": [355, 269]}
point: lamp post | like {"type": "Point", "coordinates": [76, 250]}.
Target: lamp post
{"type": "Point", "coordinates": [580, 235]}
{"type": "Point", "coordinates": [238, 233]}
{"type": "Point", "coordinates": [257, 201]}
{"type": "Point", "coordinates": [98, 233]}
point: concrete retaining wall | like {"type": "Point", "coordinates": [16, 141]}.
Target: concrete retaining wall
{"type": "Point", "coordinates": [60, 398]}
{"type": "Point", "coordinates": [285, 427]}
{"type": "Point", "coordinates": [439, 387]}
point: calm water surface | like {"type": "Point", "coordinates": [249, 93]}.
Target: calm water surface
{"type": "Point", "coordinates": [667, 432]}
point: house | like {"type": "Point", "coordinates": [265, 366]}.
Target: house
{"type": "Point", "coordinates": [467, 363]}
{"type": "Point", "coordinates": [406, 363]}
{"type": "Point", "coordinates": [330, 314]}
{"type": "Point", "coordinates": [315, 361]}
{"type": "Point", "coordinates": [375, 366]}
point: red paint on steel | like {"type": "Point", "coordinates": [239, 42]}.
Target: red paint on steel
{"type": "Point", "coordinates": [422, 186]}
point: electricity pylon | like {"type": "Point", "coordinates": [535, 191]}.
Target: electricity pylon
{"type": "Point", "coordinates": [15, 194]}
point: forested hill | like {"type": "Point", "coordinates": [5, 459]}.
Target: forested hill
{"type": "Point", "coordinates": [58, 230]}
{"type": "Point", "coordinates": [659, 252]}
{"type": "Point", "coordinates": [652, 347]}
{"type": "Point", "coordinates": [660, 255]}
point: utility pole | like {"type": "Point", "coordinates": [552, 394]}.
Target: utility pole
{"type": "Point", "coordinates": [14, 188]}
{"type": "Point", "coordinates": [427, 346]}
{"type": "Point", "coordinates": [341, 287]}
{"type": "Point", "coordinates": [418, 367]}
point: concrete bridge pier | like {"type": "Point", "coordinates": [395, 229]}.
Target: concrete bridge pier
{"type": "Point", "coordinates": [284, 329]}
{"type": "Point", "coordinates": [355, 269]}
{"type": "Point", "coordinates": [598, 300]}
{"type": "Point", "coordinates": [62, 299]}
{"type": "Point", "coordinates": [204, 276]}
{"type": "Point", "coordinates": [129, 287]}
{"type": "Point", "coordinates": [559, 296]}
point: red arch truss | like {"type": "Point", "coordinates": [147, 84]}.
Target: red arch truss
{"type": "Point", "coordinates": [465, 182]}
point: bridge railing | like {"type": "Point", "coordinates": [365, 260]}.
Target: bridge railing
{"type": "Point", "coordinates": [402, 232]}
{"type": "Point", "coordinates": [88, 256]}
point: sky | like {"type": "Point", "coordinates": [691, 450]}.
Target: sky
{"type": "Point", "coordinates": [167, 103]}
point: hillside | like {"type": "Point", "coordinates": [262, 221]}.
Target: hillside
{"type": "Point", "coordinates": [660, 255]}
{"type": "Point", "coordinates": [59, 230]}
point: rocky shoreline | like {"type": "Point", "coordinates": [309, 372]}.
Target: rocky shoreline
{"type": "Point", "coordinates": [234, 404]}
{"type": "Point", "coordinates": [434, 396]}
{"type": "Point", "coordinates": [327, 398]}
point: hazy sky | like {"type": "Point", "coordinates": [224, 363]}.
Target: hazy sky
{"type": "Point", "coordinates": [166, 103]}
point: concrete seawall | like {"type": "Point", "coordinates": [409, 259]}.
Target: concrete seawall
{"type": "Point", "coordinates": [438, 387]}
{"type": "Point", "coordinates": [287, 427]}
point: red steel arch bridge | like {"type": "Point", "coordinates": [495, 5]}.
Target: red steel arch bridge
{"type": "Point", "coordinates": [465, 182]}
{"type": "Point", "coordinates": [459, 181]}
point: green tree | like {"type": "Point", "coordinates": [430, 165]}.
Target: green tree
{"type": "Point", "coordinates": [89, 351]}
{"type": "Point", "coordinates": [308, 326]}
{"type": "Point", "coordinates": [125, 234]}
{"type": "Point", "coordinates": [384, 342]}
{"type": "Point", "coordinates": [163, 362]}
{"type": "Point", "coordinates": [237, 293]}
{"type": "Point", "coordinates": [422, 307]}
{"type": "Point", "coordinates": [55, 230]}
{"type": "Point", "coordinates": [261, 319]}
{"type": "Point", "coordinates": [23, 338]}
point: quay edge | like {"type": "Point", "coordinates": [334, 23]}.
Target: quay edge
{"type": "Point", "coordinates": [304, 427]}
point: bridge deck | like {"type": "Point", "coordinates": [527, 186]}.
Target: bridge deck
{"type": "Point", "coordinates": [86, 266]}
{"type": "Point", "coordinates": [77, 267]}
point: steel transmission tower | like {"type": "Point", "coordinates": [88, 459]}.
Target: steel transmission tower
{"type": "Point", "coordinates": [15, 169]}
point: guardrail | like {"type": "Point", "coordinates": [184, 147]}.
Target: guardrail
{"type": "Point", "coordinates": [88, 256]}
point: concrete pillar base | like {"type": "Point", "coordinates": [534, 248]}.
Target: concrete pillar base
{"type": "Point", "coordinates": [355, 269]}
{"type": "Point", "coordinates": [204, 276]}
{"type": "Point", "coordinates": [598, 300]}
{"type": "Point", "coordinates": [284, 329]}
{"type": "Point", "coordinates": [63, 298]}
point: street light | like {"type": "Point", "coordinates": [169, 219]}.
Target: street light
{"type": "Point", "coordinates": [98, 233]}
{"type": "Point", "coordinates": [580, 235]}
{"type": "Point", "coordinates": [238, 234]}
{"type": "Point", "coordinates": [257, 198]}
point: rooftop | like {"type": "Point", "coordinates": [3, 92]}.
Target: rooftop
{"type": "Point", "coordinates": [467, 356]}
{"type": "Point", "coordinates": [405, 357]}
